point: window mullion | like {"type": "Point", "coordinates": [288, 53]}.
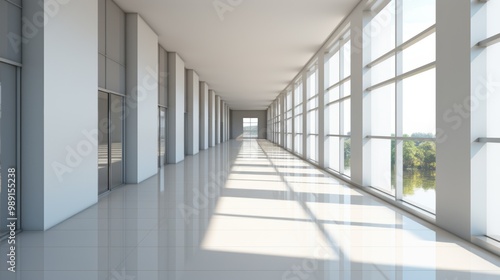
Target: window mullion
{"type": "Point", "coordinates": [399, 99]}
{"type": "Point", "coordinates": [341, 107]}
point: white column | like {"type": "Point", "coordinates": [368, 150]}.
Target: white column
{"type": "Point", "coordinates": [359, 149]}
{"type": "Point", "coordinates": [293, 118]}
{"type": "Point", "coordinates": [217, 119]}
{"type": "Point", "coordinates": [176, 108]}
{"type": "Point", "coordinates": [59, 159]}
{"type": "Point", "coordinates": [204, 119]}
{"type": "Point", "coordinates": [211, 118]}
{"type": "Point", "coordinates": [282, 116]}
{"type": "Point", "coordinates": [193, 114]}
{"type": "Point", "coordinates": [141, 122]}
{"type": "Point", "coordinates": [228, 123]}
{"type": "Point", "coordinates": [321, 109]}
{"type": "Point", "coordinates": [223, 121]}
{"type": "Point", "coordinates": [479, 124]}
{"type": "Point", "coordinates": [453, 84]}
{"type": "Point", "coordinates": [304, 115]}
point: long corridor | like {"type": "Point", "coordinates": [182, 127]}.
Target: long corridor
{"type": "Point", "coordinates": [244, 210]}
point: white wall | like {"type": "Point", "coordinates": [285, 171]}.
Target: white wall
{"type": "Point", "coordinates": [204, 116]}
{"type": "Point", "coordinates": [176, 108]}
{"type": "Point", "coordinates": [236, 122]}
{"type": "Point", "coordinates": [193, 114]}
{"type": "Point", "coordinates": [141, 121]}
{"type": "Point", "coordinates": [59, 158]}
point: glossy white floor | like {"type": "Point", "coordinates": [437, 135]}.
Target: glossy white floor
{"type": "Point", "coordinates": [244, 210]}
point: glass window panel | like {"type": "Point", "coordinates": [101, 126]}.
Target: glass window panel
{"type": "Point", "coordinates": [491, 88]}
{"type": "Point", "coordinates": [116, 137]}
{"type": "Point", "coordinates": [298, 143]}
{"type": "Point", "coordinates": [419, 174]}
{"type": "Point", "coordinates": [162, 136]}
{"type": "Point", "coordinates": [493, 190]}
{"type": "Point", "coordinates": [346, 118]}
{"type": "Point", "coordinates": [382, 35]}
{"type": "Point", "coordinates": [298, 124]}
{"type": "Point", "coordinates": [383, 71]}
{"type": "Point", "coordinates": [312, 119]}
{"type": "Point", "coordinates": [332, 95]}
{"type": "Point", "coordinates": [347, 59]}
{"type": "Point", "coordinates": [103, 152]}
{"type": "Point", "coordinates": [382, 174]}
{"type": "Point", "coordinates": [289, 104]}
{"type": "Point", "coordinates": [347, 156]}
{"type": "Point", "coordinates": [298, 94]}
{"type": "Point", "coordinates": [419, 105]}
{"type": "Point", "coordinates": [312, 146]}
{"type": "Point", "coordinates": [333, 119]}
{"type": "Point", "coordinates": [313, 103]}
{"type": "Point", "coordinates": [383, 111]}
{"type": "Point", "coordinates": [312, 81]}
{"type": "Point", "coordinates": [346, 88]}
{"type": "Point", "coordinates": [333, 69]}
{"type": "Point", "coordinates": [418, 15]}
{"type": "Point", "coordinates": [298, 110]}
{"type": "Point", "coordinates": [419, 54]}
{"type": "Point", "coordinates": [334, 153]}
{"type": "Point", "coordinates": [493, 18]}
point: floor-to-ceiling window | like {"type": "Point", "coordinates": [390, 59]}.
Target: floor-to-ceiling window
{"type": "Point", "coordinates": [251, 128]}
{"type": "Point", "coordinates": [490, 87]}
{"type": "Point", "coordinates": [273, 122]}
{"type": "Point", "coordinates": [10, 70]}
{"type": "Point", "coordinates": [338, 105]}
{"type": "Point", "coordinates": [298, 117]}
{"type": "Point", "coordinates": [402, 97]}
{"type": "Point", "coordinates": [279, 120]}
{"type": "Point", "coordinates": [276, 122]}
{"type": "Point", "coordinates": [288, 120]}
{"type": "Point", "coordinates": [312, 114]}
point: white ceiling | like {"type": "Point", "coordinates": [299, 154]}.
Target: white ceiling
{"type": "Point", "coordinates": [250, 52]}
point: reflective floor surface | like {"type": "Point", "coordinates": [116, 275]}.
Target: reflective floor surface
{"type": "Point", "coordinates": [244, 210]}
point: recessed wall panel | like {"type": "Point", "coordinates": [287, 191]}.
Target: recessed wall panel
{"type": "Point", "coordinates": [10, 31]}
{"type": "Point", "coordinates": [115, 32]}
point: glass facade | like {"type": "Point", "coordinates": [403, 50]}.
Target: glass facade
{"type": "Point", "coordinates": [338, 106]}
{"type": "Point", "coordinates": [251, 128]}
{"type": "Point", "coordinates": [289, 120]}
{"type": "Point", "coordinates": [402, 100]}
{"type": "Point", "coordinates": [298, 118]}
{"type": "Point", "coordinates": [312, 114]}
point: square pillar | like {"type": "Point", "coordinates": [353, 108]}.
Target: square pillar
{"type": "Point", "coordinates": [193, 113]}
{"type": "Point", "coordinates": [204, 117]}
{"type": "Point", "coordinates": [176, 108]}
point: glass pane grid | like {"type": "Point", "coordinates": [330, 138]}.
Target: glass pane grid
{"type": "Point", "coordinates": [404, 110]}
